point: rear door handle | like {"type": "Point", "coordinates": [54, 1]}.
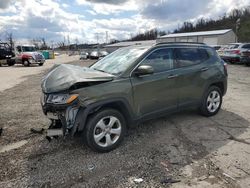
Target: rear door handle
{"type": "Point", "coordinates": [172, 76]}
{"type": "Point", "coordinates": [204, 69]}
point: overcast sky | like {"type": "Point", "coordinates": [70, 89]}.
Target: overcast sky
{"type": "Point", "coordinates": [83, 19]}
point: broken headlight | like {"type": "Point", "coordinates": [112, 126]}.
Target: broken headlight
{"type": "Point", "coordinates": [61, 98]}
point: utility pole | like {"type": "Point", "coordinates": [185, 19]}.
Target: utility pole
{"type": "Point", "coordinates": [97, 38]}
{"type": "Point", "coordinates": [97, 41]}
{"type": "Point", "coordinates": [237, 26]}
{"type": "Point", "coordinates": [107, 37]}
{"type": "Point", "coordinates": [68, 40]}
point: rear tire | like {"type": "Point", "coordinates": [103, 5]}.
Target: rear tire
{"type": "Point", "coordinates": [211, 102]}
{"type": "Point", "coordinates": [105, 130]}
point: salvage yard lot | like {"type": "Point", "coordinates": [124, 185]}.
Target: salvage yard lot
{"type": "Point", "coordinates": [195, 150]}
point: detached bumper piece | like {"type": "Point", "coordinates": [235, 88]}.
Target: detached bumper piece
{"type": "Point", "coordinates": [54, 132]}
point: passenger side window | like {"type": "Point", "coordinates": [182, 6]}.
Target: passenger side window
{"type": "Point", "coordinates": [161, 60]}
{"type": "Point", "coordinates": [190, 56]}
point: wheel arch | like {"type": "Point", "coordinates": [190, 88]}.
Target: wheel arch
{"type": "Point", "coordinates": [118, 104]}
{"type": "Point", "coordinates": [220, 85]}
{"type": "Point", "coordinates": [25, 59]}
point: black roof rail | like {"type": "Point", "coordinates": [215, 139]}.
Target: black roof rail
{"type": "Point", "coordinates": [159, 43]}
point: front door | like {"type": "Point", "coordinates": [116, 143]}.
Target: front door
{"type": "Point", "coordinates": [156, 92]}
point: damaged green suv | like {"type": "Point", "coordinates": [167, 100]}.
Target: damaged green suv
{"type": "Point", "coordinates": [131, 85]}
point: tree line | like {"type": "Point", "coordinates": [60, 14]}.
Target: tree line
{"type": "Point", "coordinates": [238, 20]}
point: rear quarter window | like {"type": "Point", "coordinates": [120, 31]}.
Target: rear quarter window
{"type": "Point", "coordinates": [190, 56]}
{"type": "Point", "coordinates": [246, 46]}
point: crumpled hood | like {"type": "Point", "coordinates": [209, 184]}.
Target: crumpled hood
{"type": "Point", "coordinates": [62, 77]}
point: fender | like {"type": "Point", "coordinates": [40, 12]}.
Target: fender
{"type": "Point", "coordinates": [84, 112]}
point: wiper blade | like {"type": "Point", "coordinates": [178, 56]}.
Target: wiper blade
{"type": "Point", "coordinates": [102, 71]}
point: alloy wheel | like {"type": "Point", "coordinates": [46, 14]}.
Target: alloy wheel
{"type": "Point", "coordinates": [213, 101]}
{"type": "Point", "coordinates": [107, 131]}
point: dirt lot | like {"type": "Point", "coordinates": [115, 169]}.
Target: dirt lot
{"type": "Point", "coordinates": [180, 150]}
{"type": "Point", "coordinates": [10, 76]}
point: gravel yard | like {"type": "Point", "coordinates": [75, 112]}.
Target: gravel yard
{"type": "Point", "coordinates": [183, 149]}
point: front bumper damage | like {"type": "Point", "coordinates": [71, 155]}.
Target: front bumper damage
{"type": "Point", "coordinates": [63, 118]}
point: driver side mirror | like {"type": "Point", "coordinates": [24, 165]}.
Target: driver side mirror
{"type": "Point", "coordinates": [144, 70]}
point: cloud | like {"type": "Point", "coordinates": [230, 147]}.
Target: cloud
{"type": "Point", "coordinates": [113, 2]}
{"type": "Point", "coordinates": [64, 5]}
{"type": "Point", "coordinates": [58, 19]}
{"type": "Point", "coordinates": [174, 9]}
{"type": "Point", "coordinates": [109, 7]}
{"type": "Point", "coordinates": [5, 4]}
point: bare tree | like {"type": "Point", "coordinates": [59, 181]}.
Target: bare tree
{"type": "Point", "coordinates": [9, 39]}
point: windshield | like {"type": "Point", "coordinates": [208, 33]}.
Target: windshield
{"type": "Point", "coordinates": [28, 48]}
{"type": "Point", "coordinates": [118, 61]}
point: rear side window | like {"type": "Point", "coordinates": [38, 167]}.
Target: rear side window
{"type": "Point", "coordinates": [246, 46]}
{"type": "Point", "coordinates": [190, 56]}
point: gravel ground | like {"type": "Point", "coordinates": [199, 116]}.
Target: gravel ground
{"type": "Point", "coordinates": [185, 148]}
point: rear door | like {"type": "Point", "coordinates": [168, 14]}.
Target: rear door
{"type": "Point", "coordinates": [156, 92]}
{"type": "Point", "coordinates": [192, 68]}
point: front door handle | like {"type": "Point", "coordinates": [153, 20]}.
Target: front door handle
{"type": "Point", "coordinates": [172, 76]}
{"type": "Point", "coordinates": [204, 69]}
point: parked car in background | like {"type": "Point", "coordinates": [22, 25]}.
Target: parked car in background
{"type": "Point", "coordinates": [221, 50]}
{"type": "Point", "coordinates": [245, 56]}
{"type": "Point", "coordinates": [84, 55]}
{"type": "Point", "coordinates": [216, 47]}
{"type": "Point", "coordinates": [131, 85]}
{"type": "Point", "coordinates": [98, 54]}
{"type": "Point", "coordinates": [234, 51]}
{"type": "Point", "coordinates": [28, 54]}
{"type": "Point", "coordinates": [94, 55]}
{"type": "Point", "coordinates": [103, 53]}
{"type": "Point", "coordinates": [6, 55]}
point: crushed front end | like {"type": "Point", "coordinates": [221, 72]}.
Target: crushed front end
{"type": "Point", "coordinates": [62, 110]}
{"type": "Point", "coordinates": [61, 101]}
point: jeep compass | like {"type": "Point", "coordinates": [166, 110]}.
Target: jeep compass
{"type": "Point", "coordinates": [131, 85]}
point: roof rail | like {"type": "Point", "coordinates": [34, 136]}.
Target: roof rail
{"type": "Point", "coordinates": [159, 43]}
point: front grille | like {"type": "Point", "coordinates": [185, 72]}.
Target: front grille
{"type": "Point", "coordinates": [38, 57]}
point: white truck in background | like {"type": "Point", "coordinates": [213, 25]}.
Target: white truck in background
{"type": "Point", "coordinates": [27, 55]}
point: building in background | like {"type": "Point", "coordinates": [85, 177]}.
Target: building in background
{"type": "Point", "coordinates": [216, 37]}
{"type": "Point", "coordinates": [112, 47]}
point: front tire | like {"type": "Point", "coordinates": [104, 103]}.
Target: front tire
{"type": "Point", "coordinates": [10, 62]}
{"type": "Point", "coordinates": [211, 102]}
{"type": "Point", "coordinates": [40, 64]}
{"type": "Point", "coordinates": [26, 63]}
{"type": "Point", "coordinates": [105, 130]}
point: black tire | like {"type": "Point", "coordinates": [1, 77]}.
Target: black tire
{"type": "Point", "coordinates": [247, 64]}
{"type": "Point", "coordinates": [26, 63]}
{"type": "Point", "coordinates": [91, 129]}
{"type": "Point", "coordinates": [10, 62]}
{"type": "Point", "coordinates": [40, 64]}
{"type": "Point", "coordinates": [204, 107]}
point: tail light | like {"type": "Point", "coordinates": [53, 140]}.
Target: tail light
{"type": "Point", "coordinates": [236, 52]}
{"type": "Point", "coordinates": [225, 68]}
